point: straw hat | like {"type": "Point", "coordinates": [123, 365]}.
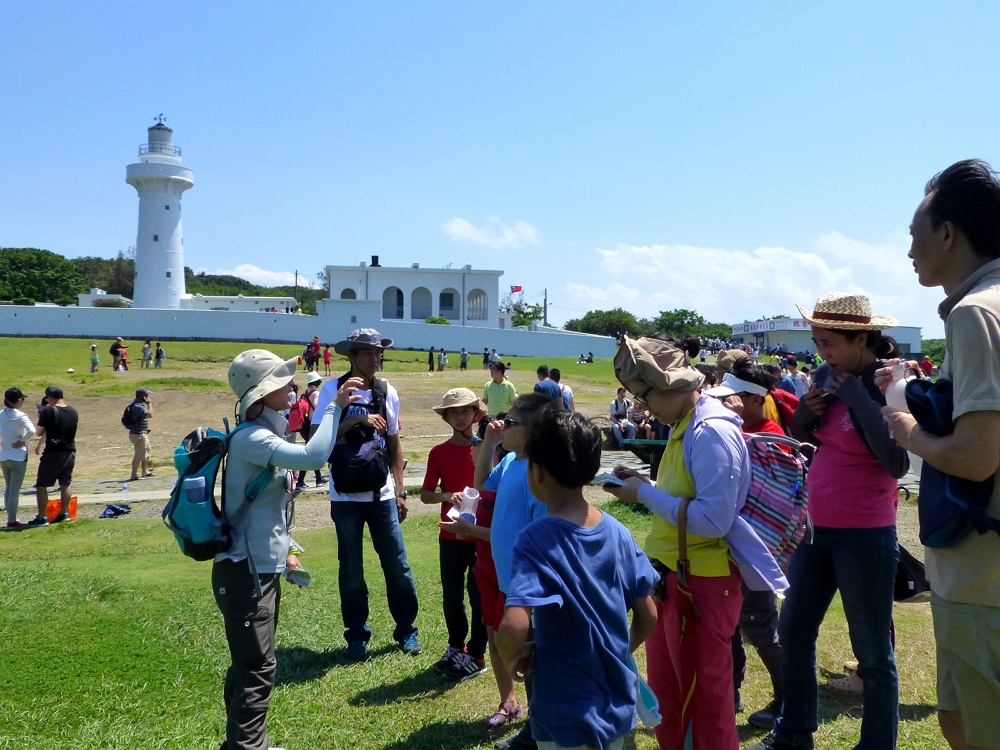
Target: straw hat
{"type": "Point", "coordinates": [644, 363]}
{"type": "Point", "coordinates": [257, 372]}
{"type": "Point", "coordinates": [846, 311]}
{"type": "Point", "coordinates": [456, 398]}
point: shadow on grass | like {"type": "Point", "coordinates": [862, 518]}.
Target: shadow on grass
{"type": "Point", "coordinates": [298, 664]}
{"type": "Point", "coordinates": [445, 734]}
{"type": "Point", "coordinates": [426, 684]}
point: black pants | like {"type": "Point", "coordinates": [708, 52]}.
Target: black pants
{"type": "Point", "coordinates": [758, 627]}
{"type": "Point", "coordinates": [306, 433]}
{"type": "Point", "coordinates": [457, 559]}
{"type": "Point", "coordinates": [250, 626]}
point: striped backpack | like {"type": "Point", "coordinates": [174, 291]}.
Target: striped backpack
{"type": "Point", "coordinates": [777, 503]}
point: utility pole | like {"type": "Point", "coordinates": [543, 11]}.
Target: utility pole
{"type": "Point", "coordinates": [296, 295]}
{"type": "Point", "coordinates": [545, 309]}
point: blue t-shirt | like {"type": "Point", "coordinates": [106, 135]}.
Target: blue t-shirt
{"type": "Point", "coordinates": [514, 509]}
{"type": "Point", "coordinates": [787, 384]}
{"type": "Point", "coordinates": [549, 387]}
{"type": "Point", "coordinates": [581, 583]}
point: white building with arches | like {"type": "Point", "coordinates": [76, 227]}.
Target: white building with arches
{"type": "Point", "coordinates": [463, 296]}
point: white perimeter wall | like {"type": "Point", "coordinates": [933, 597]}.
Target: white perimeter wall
{"type": "Point", "coordinates": [333, 326]}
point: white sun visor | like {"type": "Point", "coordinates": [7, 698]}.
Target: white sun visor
{"type": "Point", "coordinates": [732, 384]}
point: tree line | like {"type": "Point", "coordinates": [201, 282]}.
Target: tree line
{"type": "Point", "coordinates": [29, 275]}
{"type": "Point", "coordinates": [675, 323]}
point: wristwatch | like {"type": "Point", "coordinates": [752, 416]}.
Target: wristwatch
{"type": "Point", "coordinates": [402, 494]}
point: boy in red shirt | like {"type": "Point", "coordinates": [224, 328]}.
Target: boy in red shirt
{"type": "Point", "coordinates": [450, 466]}
{"type": "Point", "coordinates": [327, 358]}
{"type": "Point", "coordinates": [491, 598]}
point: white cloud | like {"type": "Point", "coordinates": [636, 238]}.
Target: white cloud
{"type": "Point", "coordinates": [493, 234]}
{"type": "Point", "coordinates": [261, 276]}
{"type": "Point", "coordinates": [736, 285]}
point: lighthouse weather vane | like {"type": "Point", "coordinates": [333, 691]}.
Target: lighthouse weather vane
{"type": "Point", "coordinates": [160, 118]}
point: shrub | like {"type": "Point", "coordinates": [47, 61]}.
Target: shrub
{"type": "Point", "coordinates": [24, 301]}
{"type": "Point", "coordinates": [108, 303]}
{"type": "Point", "coordinates": [438, 320]}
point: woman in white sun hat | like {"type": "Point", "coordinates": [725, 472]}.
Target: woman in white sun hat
{"type": "Point", "coordinates": [852, 486]}
{"type": "Point", "coordinates": [262, 545]}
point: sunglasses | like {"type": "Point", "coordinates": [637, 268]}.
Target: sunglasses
{"type": "Point", "coordinates": [641, 397]}
{"type": "Point", "coordinates": [508, 423]}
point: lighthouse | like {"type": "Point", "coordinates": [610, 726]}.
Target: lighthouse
{"type": "Point", "coordinates": [160, 181]}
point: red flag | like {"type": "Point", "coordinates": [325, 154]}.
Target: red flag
{"type": "Point", "coordinates": [516, 289]}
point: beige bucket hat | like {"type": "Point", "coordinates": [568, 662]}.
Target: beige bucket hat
{"type": "Point", "coordinates": [644, 363]}
{"type": "Point", "coordinates": [725, 360]}
{"type": "Point", "coordinates": [458, 397]}
{"type": "Point", "coordinates": [257, 372]}
{"type": "Point", "coordinates": [846, 311]}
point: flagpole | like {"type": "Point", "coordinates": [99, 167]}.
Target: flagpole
{"type": "Point", "coordinates": [545, 310]}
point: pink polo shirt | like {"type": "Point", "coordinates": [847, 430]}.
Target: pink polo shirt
{"type": "Point", "coordinates": [848, 487]}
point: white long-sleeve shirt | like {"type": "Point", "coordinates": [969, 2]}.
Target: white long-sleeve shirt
{"type": "Point", "coordinates": [15, 427]}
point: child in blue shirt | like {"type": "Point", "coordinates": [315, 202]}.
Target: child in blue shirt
{"type": "Point", "coordinates": [576, 573]}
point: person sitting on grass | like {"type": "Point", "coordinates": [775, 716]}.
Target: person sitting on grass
{"type": "Point", "coordinates": [450, 466]}
{"type": "Point", "coordinates": [490, 597]}
{"type": "Point", "coordinates": [576, 573]}
{"type": "Point", "coordinates": [515, 506]}
{"type": "Point", "coordinates": [249, 597]}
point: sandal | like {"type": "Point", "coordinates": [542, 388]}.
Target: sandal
{"type": "Point", "coordinates": [503, 715]}
{"type": "Point", "coordinates": [850, 685]}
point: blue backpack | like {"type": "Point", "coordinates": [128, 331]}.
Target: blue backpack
{"type": "Point", "coordinates": [202, 529]}
{"type": "Point", "coordinates": [949, 507]}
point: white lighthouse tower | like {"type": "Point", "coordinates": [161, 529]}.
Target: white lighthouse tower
{"type": "Point", "coordinates": [160, 181]}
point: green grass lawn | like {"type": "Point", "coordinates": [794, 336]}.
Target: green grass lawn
{"type": "Point", "coordinates": [112, 640]}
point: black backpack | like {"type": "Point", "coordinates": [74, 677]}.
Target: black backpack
{"type": "Point", "coordinates": [361, 462]}
{"type": "Point", "coordinates": [129, 417]}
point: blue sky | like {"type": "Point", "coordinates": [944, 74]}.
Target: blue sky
{"type": "Point", "coordinates": [732, 157]}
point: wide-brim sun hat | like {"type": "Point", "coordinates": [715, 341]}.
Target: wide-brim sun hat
{"type": "Point", "coordinates": [457, 398]}
{"type": "Point", "coordinates": [257, 372]}
{"type": "Point", "coordinates": [731, 385]}
{"type": "Point", "coordinates": [725, 359]}
{"type": "Point", "coordinates": [313, 377]}
{"type": "Point", "coordinates": [653, 363]}
{"type": "Point", "coordinates": [362, 338]}
{"type": "Point", "coordinates": [843, 310]}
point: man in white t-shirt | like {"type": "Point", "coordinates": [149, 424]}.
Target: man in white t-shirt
{"type": "Point", "coordinates": [367, 454]}
{"type": "Point", "coordinates": [800, 381]}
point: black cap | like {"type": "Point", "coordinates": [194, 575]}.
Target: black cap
{"type": "Point", "coordinates": [54, 391]}
{"type": "Point", "coordinates": [13, 395]}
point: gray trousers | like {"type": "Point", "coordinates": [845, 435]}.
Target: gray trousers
{"type": "Point", "coordinates": [250, 626]}
{"type": "Point", "coordinates": [13, 478]}
{"type": "Point", "coordinates": [759, 627]}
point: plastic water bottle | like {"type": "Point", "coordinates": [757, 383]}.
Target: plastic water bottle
{"type": "Point", "coordinates": [470, 501]}
{"type": "Point", "coordinates": [194, 489]}
{"type": "Point", "coordinates": [895, 394]}
{"type": "Point", "coordinates": [124, 494]}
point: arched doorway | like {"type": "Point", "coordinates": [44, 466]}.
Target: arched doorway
{"type": "Point", "coordinates": [450, 304]}
{"type": "Point", "coordinates": [392, 303]}
{"type": "Point", "coordinates": [348, 294]}
{"type": "Point", "coordinates": [420, 303]}
{"type": "Point", "coordinates": [477, 307]}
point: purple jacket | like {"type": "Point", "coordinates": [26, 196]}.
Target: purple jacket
{"type": "Point", "coordinates": [715, 454]}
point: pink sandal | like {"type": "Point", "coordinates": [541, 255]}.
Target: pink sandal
{"type": "Point", "coordinates": [503, 715]}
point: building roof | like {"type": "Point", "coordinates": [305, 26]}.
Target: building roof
{"type": "Point", "coordinates": [415, 268]}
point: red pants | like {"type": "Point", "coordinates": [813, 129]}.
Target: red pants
{"type": "Point", "coordinates": [712, 705]}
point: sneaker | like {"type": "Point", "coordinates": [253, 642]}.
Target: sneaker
{"type": "Point", "coordinates": [448, 659]}
{"type": "Point", "coordinates": [503, 715]}
{"type": "Point", "coordinates": [357, 650]}
{"type": "Point", "coordinates": [60, 518]}
{"type": "Point", "coordinates": [411, 645]}
{"type": "Point", "coordinates": [465, 668]}
{"type": "Point", "coordinates": [16, 525]}
{"type": "Point", "coordinates": [771, 742]}
{"type": "Point", "coordinates": [37, 522]}
{"type": "Point", "coordinates": [764, 719]}
{"type": "Point", "coordinates": [738, 702]}
{"type": "Point", "coordinates": [321, 482]}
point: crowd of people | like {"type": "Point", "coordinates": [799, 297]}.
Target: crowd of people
{"type": "Point", "coordinates": [546, 589]}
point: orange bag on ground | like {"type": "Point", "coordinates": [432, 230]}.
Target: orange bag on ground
{"type": "Point", "coordinates": [55, 506]}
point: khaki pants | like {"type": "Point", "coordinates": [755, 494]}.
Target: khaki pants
{"type": "Point", "coordinates": [250, 627]}
{"type": "Point", "coordinates": [140, 442]}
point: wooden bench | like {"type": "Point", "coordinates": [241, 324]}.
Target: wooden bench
{"type": "Point", "coordinates": [649, 452]}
